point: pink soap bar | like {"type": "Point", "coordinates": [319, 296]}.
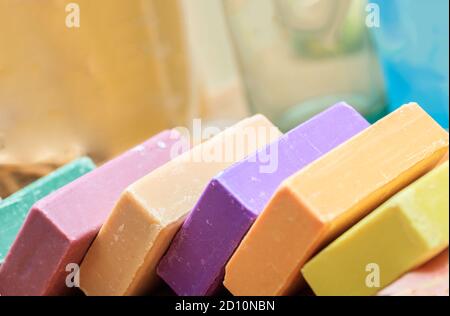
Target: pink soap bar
{"type": "Point", "coordinates": [431, 279]}
{"type": "Point", "coordinates": [60, 228]}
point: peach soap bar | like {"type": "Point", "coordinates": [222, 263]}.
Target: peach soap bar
{"type": "Point", "coordinates": [321, 201]}
{"type": "Point", "coordinates": [400, 235]}
{"type": "Point", "coordinates": [124, 256]}
{"type": "Point", "coordinates": [60, 227]}
{"type": "Point", "coordinates": [430, 279]}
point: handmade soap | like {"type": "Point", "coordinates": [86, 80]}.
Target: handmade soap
{"type": "Point", "coordinates": [60, 227]}
{"type": "Point", "coordinates": [400, 235]}
{"type": "Point", "coordinates": [123, 257]}
{"type": "Point", "coordinates": [318, 203]}
{"type": "Point", "coordinates": [14, 209]}
{"type": "Point", "coordinates": [123, 74]}
{"type": "Point", "coordinates": [195, 261]}
{"type": "Point", "coordinates": [430, 279]}
{"type": "Point", "coordinates": [444, 159]}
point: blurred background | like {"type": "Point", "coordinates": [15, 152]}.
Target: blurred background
{"type": "Point", "coordinates": [133, 68]}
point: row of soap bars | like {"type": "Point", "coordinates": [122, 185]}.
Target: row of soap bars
{"type": "Point", "coordinates": [346, 206]}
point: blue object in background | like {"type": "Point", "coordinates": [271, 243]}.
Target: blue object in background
{"type": "Point", "coordinates": [413, 43]}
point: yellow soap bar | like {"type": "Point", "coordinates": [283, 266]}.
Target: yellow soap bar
{"type": "Point", "coordinates": [122, 260]}
{"type": "Point", "coordinates": [400, 235]}
{"type": "Point", "coordinates": [321, 201]}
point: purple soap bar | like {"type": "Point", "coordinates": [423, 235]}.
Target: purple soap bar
{"type": "Point", "coordinates": [195, 261]}
{"type": "Point", "coordinates": [60, 228]}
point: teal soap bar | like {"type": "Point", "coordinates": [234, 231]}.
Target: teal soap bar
{"type": "Point", "coordinates": [14, 209]}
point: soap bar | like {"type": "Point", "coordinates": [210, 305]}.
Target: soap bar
{"type": "Point", "coordinates": [123, 257]}
{"type": "Point", "coordinates": [400, 235]}
{"type": "Point", "coordinates": [444, 159]}
{"type": "Point", "coordinates": [103, 86]}
{"type": "Point", "coordinates": [195, 261]}
{"type": "Point", "coordinates": [431, 279]}
{"type": "Point", "coordinates": [60, 227]}
{"type": "Point", "coordinates": [14, 209]}
{"type": "Point", "coordinates": [318, 203]}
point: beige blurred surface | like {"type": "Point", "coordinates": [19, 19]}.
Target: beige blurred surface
{"type": "Point", "coordinates": [100, 87]}
{"type": "Point", "coordinates": [298, 57]}
{"type": "Point", "coordinates": [131, 69]}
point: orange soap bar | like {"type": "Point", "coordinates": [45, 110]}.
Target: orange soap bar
{"type": "Point", "coordinates": [431, 279]}
{"type": "Point", "coordinates": [321, 201]}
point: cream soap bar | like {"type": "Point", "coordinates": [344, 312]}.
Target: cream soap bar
{"type": "Point", "coordinates": [318, 203]}
{"type": "Point", "coordinates": [400, 235]}
{"type": "Point", "coordinates": [60, 228]}
{"type": "Point", "coordinates": [124, 256]}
